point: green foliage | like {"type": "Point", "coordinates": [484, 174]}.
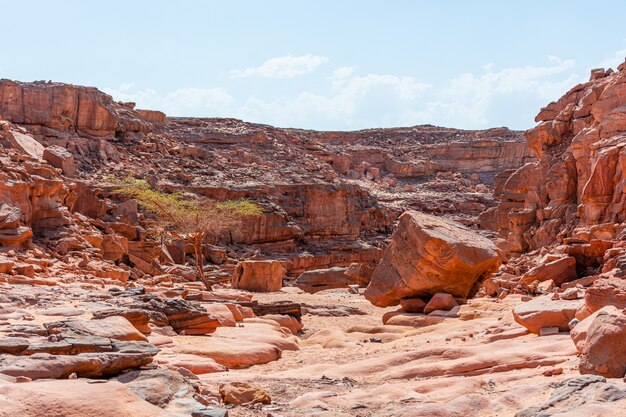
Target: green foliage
{"type": "Point", "coordinates": [183, 214]}
{"type": "Point", "coordinates": [241, 207]}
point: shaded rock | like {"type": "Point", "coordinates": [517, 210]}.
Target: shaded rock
{"type": "Point", "coordinates": [428, 255]}
{"type": "Point", "coordinates": [324, 279]}
{"type": "Point", "coordinates": [440, 301]}
{"type": "Point", "coordinates": [258, 276]}
{"type": "Point", "coordinates": [412, 305]}
{"type": "Point", "coordinates": [184, 317]}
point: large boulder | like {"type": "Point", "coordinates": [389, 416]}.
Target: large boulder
{"type": "Point", "coordinates": [324, 279]}
{"type": "Point", "coordinates": [604, 349]}
{"type": "Point", "coordinates": [429, 255]}
{"type": "Point", "coordinates": [258, 276]}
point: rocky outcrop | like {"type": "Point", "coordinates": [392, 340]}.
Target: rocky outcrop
{"type": "Point", "coordinates": [573, 193]}
{"type": "Point", "coordinates": [68, 108]}
{"type": "Point", "coordinates": [428, 255]}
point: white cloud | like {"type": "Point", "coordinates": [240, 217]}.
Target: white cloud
{"type": "Point", "coordinates": [181, 102]}
{"type": "Point", "coordinates": [346, 99]}
{"type": "Point", "coordinates": [614, 60]}
{"type": "Point", "coordinates": [282, 67]}
{"type": "Point", "coordinates": [468, 99]}
{"type": "Point", "coordinates": [353, 102]}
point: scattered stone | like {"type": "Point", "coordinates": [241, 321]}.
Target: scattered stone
{"type": "Point", "coordinates": [241, 393]}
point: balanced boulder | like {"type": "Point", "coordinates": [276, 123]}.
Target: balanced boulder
{"type": "Point", "coordinates": [429, 255]}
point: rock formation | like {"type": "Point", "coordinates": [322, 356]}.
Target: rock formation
{"type": "Point", "coordinates": [86, 291]}
{"type": "Point", "coordinates": [428, 255]}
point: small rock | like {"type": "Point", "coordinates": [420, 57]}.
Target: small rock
{"type": "Point", "coordinates": [548, 331]}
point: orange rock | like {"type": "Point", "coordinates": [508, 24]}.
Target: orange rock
{"type": "Point", "coordinates": [604, 350]}
{"type": "Point", "coordinates": [240, 393]}
{"type": "Point", "coordinates": [258, 276]}
{"type": "Point", "coordinates": [74, 398]}
{"type": "Point", "coordinates": [543, 312]}
{"type": "Point", "coordinates": [428, 255]}
{"type": "Point", "coordinates": [440, 301]}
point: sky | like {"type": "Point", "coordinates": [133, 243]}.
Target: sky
{"type": "Point", "coordinates": [326, 65]}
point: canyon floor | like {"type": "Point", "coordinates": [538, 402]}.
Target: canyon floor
{"type": "Point", "coordinates": [476, 362]}
{"type": "Point", "coordinates": [480, 364]}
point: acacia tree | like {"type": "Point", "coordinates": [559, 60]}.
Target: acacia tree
{"type": "Point", "coordinates": [185, 218]}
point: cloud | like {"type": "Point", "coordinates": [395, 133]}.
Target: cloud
{"type": "Point", "coordinates": [181, 102]}
{"type": "Point", "coordinates": [346, 99]}
{"type": "Point", "coordinates": [353, 102]}
{"type": "Point", "coordinates": [469, 100]}
{"type": "Point", "coordinates": [282, 67]}
{"type": "Point", "coordinates": [614, 60]}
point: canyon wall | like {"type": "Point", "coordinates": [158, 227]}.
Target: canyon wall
{"type": "Point", "coordinates": [328, 198]}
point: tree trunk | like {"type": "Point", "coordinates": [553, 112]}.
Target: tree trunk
{"type": "Point", "coordinates": [199, 255]}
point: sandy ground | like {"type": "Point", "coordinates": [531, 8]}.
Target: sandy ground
{"type": "Point", "coordinates": [482, 364]}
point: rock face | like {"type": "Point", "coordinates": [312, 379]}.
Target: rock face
{"type": "Point", "coordinates": [67, 108]}
{"type": "Point", "coordinates": [258, 276]}
{"type": "Point", "coordinates": [428, 255]}
{"type": "Point", "coordinates": [574, 193]}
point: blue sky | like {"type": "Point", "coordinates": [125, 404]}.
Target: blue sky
{"type": "Point", "coordinates": [332, 65]}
